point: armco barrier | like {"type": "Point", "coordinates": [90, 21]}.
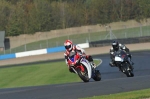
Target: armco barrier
{"type": "Point", "coordinates": [55, 49]}
{"type": "Point", "coordinates": [61, 48]}
{"type": "Point", "coordinates": [84, 45]}
{"type": "Point", "coordinates": [123, 41]}
{"type": "Point", "coordinates": [30, 53]}
{"type": "Point", "coordinates": [39, 52]}
{"type": "Point", "coordinates": [7, 56]}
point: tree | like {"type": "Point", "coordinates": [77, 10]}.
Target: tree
{"type": "Point", "coordinates": [15, 22]}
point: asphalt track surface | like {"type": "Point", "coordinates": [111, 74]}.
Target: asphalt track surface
{"type": "Point", "coordinates": [113, 81]}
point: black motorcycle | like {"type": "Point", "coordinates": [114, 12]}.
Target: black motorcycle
{"type": "Point", "coordinates": [122, 61]}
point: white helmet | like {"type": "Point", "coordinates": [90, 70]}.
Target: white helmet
{"type": "Point", "coordinates": [68, 45]}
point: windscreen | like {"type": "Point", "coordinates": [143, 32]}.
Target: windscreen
{"type": "Point", "coordinates": [71, 56]}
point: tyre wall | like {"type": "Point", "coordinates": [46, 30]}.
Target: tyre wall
{"type": "Point", "coordinates": [123, 41]}
{"type": "Point", "coordinates": [39, 52]}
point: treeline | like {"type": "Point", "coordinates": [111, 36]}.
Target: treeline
{"type": "Point", "coordinates": [30, 16]}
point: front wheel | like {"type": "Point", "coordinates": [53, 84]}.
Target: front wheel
{"type": "Point", "coordinates": [83, 75]}
{"type": "Point", "coordinates": [129, 71]}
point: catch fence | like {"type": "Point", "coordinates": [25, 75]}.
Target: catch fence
{"type": "Point", "coordinates": [78, 35]}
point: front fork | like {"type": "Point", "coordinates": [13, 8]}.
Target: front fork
{"type": "Point", "coordinates": [119, 65]}
{"type": "Point", "coordinates": [129, 67]}
{"type": "Point", "coordinates": [74, 70]}
{"type": "Point", "coordinates": [81, 68]}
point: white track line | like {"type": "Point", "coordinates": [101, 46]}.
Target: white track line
{"type": "Point", "coordinates": [100, 62]}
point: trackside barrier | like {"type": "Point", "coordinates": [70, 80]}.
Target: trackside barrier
{"type": "Point", "coordinates": [56, 49]}
{"type": "Point", "coordinates": [84, 45]}
{"type": "Point", "coordinates": [61, 48]}
{"type": "Point", "coordinates": [30, 53]}
{"type": "Point", "coordinates": [134, 40]}
{"type": "Point", "coordinates": [39, 52]}
{"type": "Point", "coordinates": [7, 56]}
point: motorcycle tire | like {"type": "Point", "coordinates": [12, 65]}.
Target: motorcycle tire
{"type": "Point", "coordinates": [83, 76]}
{"type": "Point", "coordinates": [97, 75]}
{"type": "Point", "coordinates": [129, 73]}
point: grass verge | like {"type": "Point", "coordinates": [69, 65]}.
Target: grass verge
{"type": "Point", "coordinates": [54, 73]}
{"type": "Point", "coordinates": [37, 74]}
{"type": "Point", "coordinates": [140, 94]}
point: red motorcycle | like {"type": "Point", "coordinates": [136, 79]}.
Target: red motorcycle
{"type": "Point", "coordinates": [81, 66]}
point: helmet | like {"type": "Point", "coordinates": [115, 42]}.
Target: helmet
{"type": "Point", "coordinates": [68, 45]}
{"type": "Point", "coordinates": [115, 45]}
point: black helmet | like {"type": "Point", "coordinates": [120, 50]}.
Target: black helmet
{"type": "Point", "coordinates": [115, 45]}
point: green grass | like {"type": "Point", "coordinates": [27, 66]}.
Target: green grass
{"type": "Point", "coordinates": [33, 75]}
{"type": "Point", "coordinates": [81, 38]}
{"type": "Point", "coordinates": [140, 94]}
{"type": "Point", "coordinates": [37, 74]}
{"type": "Point", "coordinates": [54, 73]}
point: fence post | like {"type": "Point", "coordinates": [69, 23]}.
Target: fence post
{"type": "Point", "coordinates": [125, 28]}
{"type": "Point", "coordinates": [10, 49]}
{"type": "Point", "coordinates": [4, 50]}
{"type": "Point", "coordinates": [25, 47]}
{"type": "Point", "coordinates": [141, 34]}
{"type": "Point", "coordinates": [25, 43]}
{"type": "Point", "coordinates": [89, 35]}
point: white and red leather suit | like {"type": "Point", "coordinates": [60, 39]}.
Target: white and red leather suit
{"type": "Point", "coordinates": [70, 47]}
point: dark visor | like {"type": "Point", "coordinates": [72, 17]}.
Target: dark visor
{"type": "Point", "coordinates": [67, 47]}
{"type": "Point", "coordinates": [115, 46]}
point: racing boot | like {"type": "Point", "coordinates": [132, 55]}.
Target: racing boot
{"type": "Point", "coordinates": [93, 65]}
{"type": "Point", "coordinates": [132, 63]}
{"type": "Point", "coordinates": [111, 64]}
{"type": "Point", "coordinates": [131, 60]}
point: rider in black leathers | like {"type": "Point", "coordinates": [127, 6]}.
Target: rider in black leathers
{"type": "Point", "coordinates": [115, 47]}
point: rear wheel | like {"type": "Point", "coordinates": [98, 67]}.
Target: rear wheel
{"type": "Point", "coordinates": [97, 75]}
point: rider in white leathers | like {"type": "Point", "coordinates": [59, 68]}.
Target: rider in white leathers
{"type": "Point", "coordinates": [70, 47]}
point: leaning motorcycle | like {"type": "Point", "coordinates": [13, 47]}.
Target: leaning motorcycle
{"type": "Point", "coordinates": [81, 66]}
{"type": "Point", "coordinates": [122, 61]}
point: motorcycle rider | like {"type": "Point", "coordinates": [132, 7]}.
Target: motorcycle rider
{"type": "Point", "coordinates": [118, 46]}
{"type": "Point", "coordinates": [69, 46]}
